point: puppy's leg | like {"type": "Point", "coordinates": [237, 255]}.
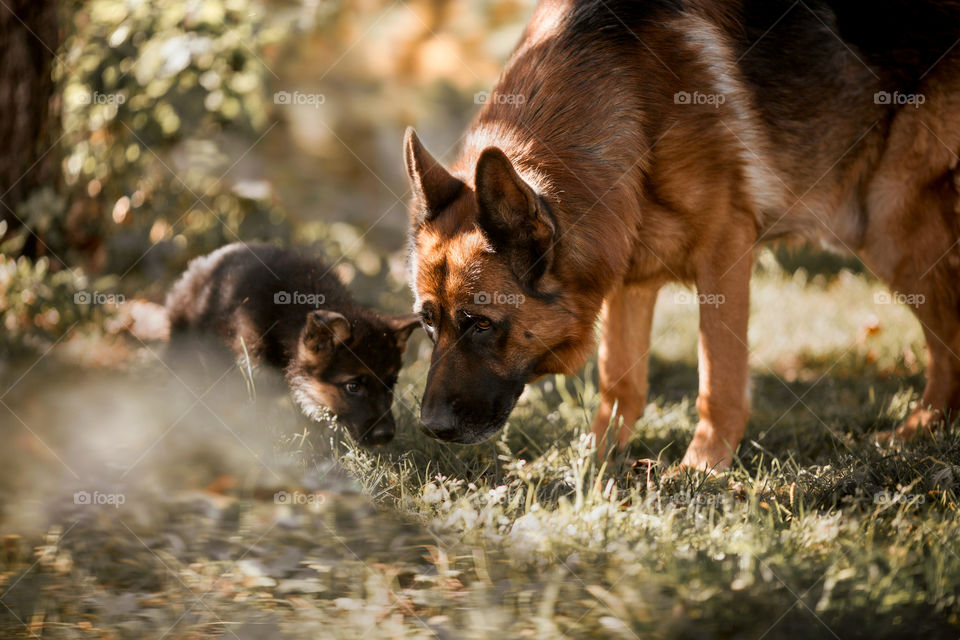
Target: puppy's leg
{"type": "Point", "coordinates": [723, 285]}
{"type": "Point", "coordinates": [627, 318]}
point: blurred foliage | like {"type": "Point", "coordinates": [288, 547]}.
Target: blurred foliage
{"type": "Point", "coordinates": [36, 304]}
{"type": "Point", "coordinates": [173, 142]}
{"type": "Point", "coordinates": [794, 257]}
{"type": "Point", "coordinates": [151, 102]}
{"type": "Point", "coordinates": [153, 105]}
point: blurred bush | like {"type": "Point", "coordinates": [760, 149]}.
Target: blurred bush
{"type": "Point", "coordinates": [37, 305]}
{"type": "Point", "coordinates": [173, 143]}
{"type": "Point", "coordinates": [154, 104]}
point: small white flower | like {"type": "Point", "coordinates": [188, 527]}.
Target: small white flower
{"type": "Point", "coordinates": [431, 494]}
{"type": "Point", "coordinates": [526, 534]}
{"type": "Point", "coordinates": [496, 495]}
{"type": "Point", "coordinates": [463, 518]}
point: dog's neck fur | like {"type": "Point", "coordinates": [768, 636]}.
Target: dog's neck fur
{"type": "Point", "coordinates": [586, 157]}
{"type": "Point", "coordinates": [583, 109]}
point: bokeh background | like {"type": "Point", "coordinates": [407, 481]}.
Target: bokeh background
{"type": "Point", "coordinates": [143, 134]}
{"type": "Point", "coordinates": [179, 126]}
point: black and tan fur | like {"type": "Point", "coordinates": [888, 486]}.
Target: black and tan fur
{"type": "Point", "coordinates": [288, 310]}
{"type": "Point", "coordinates": [602, 185]}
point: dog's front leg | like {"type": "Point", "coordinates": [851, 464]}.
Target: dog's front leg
{"type": "Point", "coordinates": [627, 318]}
{"type": "Point", "coordinates": [723, 285]}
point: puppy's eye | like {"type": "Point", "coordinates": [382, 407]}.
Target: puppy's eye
{"type": "Point", "coordinates": [482, 324]}
{"type": "Point", "coordinates": [353, 387]}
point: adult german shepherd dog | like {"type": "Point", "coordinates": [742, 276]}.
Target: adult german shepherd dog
{"type": "Point", "coordinates": [632, 143]}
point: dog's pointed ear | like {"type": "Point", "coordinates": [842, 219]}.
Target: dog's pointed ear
{"type": "Point", "coordinates": [512, 216]}
{"type": "Point", "coordinates": [324, 331]}
{"type": "Point", "coordinates": [433, 186]}
{"type": "Point", "coordinates": [402, 326]}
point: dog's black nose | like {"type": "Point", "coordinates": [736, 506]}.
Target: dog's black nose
{"type": "Point", "coordinates": [379, 434]}
{"type": "Point", "coordinates": [440, 431]}
{"type": "Point", "coordinates": [439, 424]}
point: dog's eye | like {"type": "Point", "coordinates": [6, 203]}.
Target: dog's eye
{"type": "Point", "coordinates": [482, 324]}
{"type": "Point", "coordinates": [353, 387]}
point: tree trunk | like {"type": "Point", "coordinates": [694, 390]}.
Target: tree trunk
{"type": "Point", "coordinates": [28, 120]}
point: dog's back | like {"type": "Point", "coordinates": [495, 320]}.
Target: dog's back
{"type": "Point", "coordinates": [256, 293]}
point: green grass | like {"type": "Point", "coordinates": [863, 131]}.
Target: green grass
{"type": "Point", "coordinates": [815, 532]}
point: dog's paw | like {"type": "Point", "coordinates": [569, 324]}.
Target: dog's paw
{"type": "Point", "coordinates": [710, 451]}
{"type": "Point", "coordinates": [709, 460]}
{"type": "Point", "coordinates": [920, 423]}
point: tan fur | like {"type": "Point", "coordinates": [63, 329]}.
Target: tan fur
{"type": "Point", "coordinates": [641, 191]}
{"type": "Point", "coordinates": [627, 319]}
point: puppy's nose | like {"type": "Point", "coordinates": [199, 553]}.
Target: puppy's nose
{"type": "Point", "coordinates": [438, 423]}
{"type": "Point", "coordinates": [380, 434]}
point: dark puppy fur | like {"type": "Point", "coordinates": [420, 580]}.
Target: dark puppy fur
{"type": "Point", "coordinates": [287, 310]}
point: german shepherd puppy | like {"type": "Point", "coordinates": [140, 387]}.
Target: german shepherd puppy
{"type": "Point", "coordinates": [632, 143]}
{"type": "Point", "coordinates": [289, 311]}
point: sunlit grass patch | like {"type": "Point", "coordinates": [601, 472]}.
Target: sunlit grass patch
{"type": "Point", "coordinates": [815, 531]}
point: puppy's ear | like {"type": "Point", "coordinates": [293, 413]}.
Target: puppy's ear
{"type": "Point", "coordinates": [433, 187]}
{"type": "Point", "coordinates": [402, 326]}
{"type": "Point", "coordinates": [512, 216]}
{"type": "Point", "coordinates": [323, 332]}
